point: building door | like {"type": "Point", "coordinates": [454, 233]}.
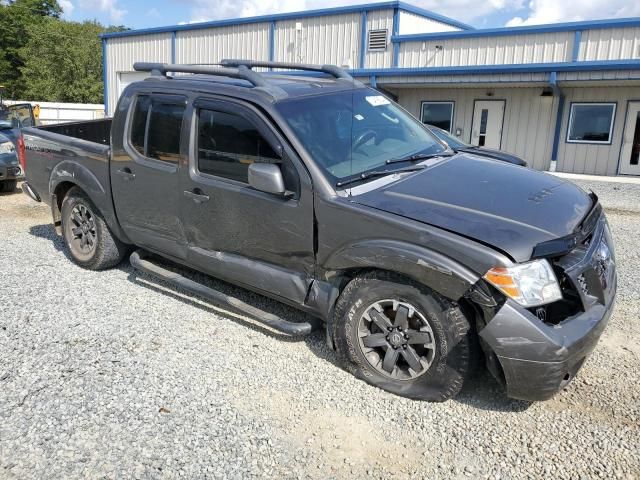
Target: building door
{"type": "Point", "coordinates": [127, 78]}
{"type": "Point", "coordinates": [487, 123]}
{"type": "Point", "coordinates": [630, 156]}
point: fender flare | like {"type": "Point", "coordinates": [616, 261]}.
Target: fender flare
{"type": "Point", "coordinates": [428, 267]}
{"type": "Point", "coordinates": [80, 176]}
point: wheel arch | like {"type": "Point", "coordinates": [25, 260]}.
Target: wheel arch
{"type": "Point", "coordinates": [438, 272]}
{"type": "Point", "coordinates": [430, 268]}
{"type": "Point", "coordinates": [69, 174]}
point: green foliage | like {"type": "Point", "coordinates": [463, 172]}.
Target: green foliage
{"type": "Point", "coordinates": [45, 58]}
{"type": "Point", "coordinates": [63, 62]}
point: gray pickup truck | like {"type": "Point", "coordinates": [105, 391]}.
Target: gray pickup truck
{"type": "Point", "coordinates": [316, 190]}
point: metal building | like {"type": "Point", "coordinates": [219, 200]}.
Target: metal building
{"type": "Point", "coordinates": [562, 96]}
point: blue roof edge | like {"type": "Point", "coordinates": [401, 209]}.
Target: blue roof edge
{"type": "Point", "coordinates": [293, 15]}
{"type": "Point", "coordinates": [504, 31]}
{"type": "Point", "coordinates": [603, 65]}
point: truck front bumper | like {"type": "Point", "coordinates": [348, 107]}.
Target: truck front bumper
{"type": "Point", "coordinates": [10, 172]}
{"type": "Point", "coordinates": [538, 359]}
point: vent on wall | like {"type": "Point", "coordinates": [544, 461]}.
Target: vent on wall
{"type": "Point", "coordinates": [377, 39]}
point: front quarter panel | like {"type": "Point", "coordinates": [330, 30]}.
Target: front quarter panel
{"type": "Point", "coordinates": [352, 236]}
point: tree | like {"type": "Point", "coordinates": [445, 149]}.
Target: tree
{"type": "Point", "coordinates": [63, 62]}
{"type": "Point", "coordinates": [16, 18]}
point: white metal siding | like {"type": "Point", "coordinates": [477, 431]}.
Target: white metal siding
{"type": "Point", "coordinates": [412, 23]}
{"type": "Point", "coordinates": [498, 50]}
{"type": "Point", "coordinates": [529, 119]}
{"type": "Point", "coordinates": [123, 52]}
{"type": "Point", "coordinates": [327, 39]}
{"type": "Point", "coordinates": [377, 20]}
{"type": "Point", "coordinates": [214, 44]}
{"type": "Point", "coordinates": [610, 44]}
{"type": "Point", "coordinates": [589, 158]}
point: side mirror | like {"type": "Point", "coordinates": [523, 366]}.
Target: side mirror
{"type": "Point", "coordinates": [267, 177]}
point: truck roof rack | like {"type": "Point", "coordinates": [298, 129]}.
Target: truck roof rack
{"type": "Point", "coordinates": [242, 72]}
{"type": "Point", "coordinates": [332, 70]}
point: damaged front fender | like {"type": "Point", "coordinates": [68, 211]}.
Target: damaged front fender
{"type": "Point", "coordinates": [438, 272]}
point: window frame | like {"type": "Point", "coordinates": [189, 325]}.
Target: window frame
{"type": "Point", "coordinates": [261, 124]}
{"type": "Point", "coordinates": [591, 142]}
{"type": "Point", "coordinates": [136, 156]}
{"type": "Point", "coordinates": [453, 112]}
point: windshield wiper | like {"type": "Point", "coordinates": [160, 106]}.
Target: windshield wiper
{"type": "Point", "coordinates": [418, 156]}
{"type": "Point", "coordinates": [378, 173]}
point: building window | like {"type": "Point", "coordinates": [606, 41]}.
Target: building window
{"type": "Point", "coordinates": [378, 40]}
{"type": "Point", "coordinates": [438, 114]}
{"type": "Point", "coordinates": [228, 144]}
{"type": "Point", "coordinates": [156, 127]}
{"type": "Point", "coordinates": [591, 123]}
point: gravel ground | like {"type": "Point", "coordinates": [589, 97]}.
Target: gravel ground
{"type": "Point", "coordinates": [110, 374]}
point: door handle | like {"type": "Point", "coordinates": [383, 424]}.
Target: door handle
{"type": "Point", "coordinates": [196, 195]}
{"type": "Point", "coordinates": [126, 174]}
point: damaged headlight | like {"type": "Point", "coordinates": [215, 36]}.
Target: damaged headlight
{"type": "Point", "coordinates": [530, 284]}
{"type": "Point", "coordinates": [7, 147]}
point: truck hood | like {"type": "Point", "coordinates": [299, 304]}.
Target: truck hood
{"type": "Point", "coordinates": [506, 206]}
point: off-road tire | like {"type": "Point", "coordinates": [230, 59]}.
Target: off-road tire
{"type": "Point", "coordinates": [453, 336]}
{"type": "Point", "coordinates": [8, 186]}
{"type": "Point", "coordinates": [108, 251]}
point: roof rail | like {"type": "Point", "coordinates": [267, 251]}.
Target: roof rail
{"type": "Point", "coordinates": [242, 72]}
{"type": "Point", "coordinates": [332, 70]}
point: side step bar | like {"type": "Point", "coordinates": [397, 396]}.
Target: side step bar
{"type": "Point", "coordinates": [291, 328]}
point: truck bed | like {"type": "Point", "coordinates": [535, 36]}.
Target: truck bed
{"type": "Point", "coordinates": [54, 152]}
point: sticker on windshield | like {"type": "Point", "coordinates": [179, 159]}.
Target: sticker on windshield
{"type": "Point", "coordinates": [358, 117]}
{"type": "Point", "coordinates": [377, 100]}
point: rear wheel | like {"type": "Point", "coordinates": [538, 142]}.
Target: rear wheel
{"type": "Point", "coordinates": [8, 185]}
{"type": "Point", "coordinates": [403, 337]}
{"type": "Point", "coordinates": [88, 238]}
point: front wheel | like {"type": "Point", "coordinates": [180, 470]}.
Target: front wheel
{"type": "Point", "coordinates": [88, 238]}
{"type": "Point", "coordinates": [402, 337]}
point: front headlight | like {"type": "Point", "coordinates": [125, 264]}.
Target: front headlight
{"type": "Point", "coordinates": [7, 147]}
{"type": "Point", "coordinates": [530, 284]}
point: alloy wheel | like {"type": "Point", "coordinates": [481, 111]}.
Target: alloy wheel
{"type": "Point", "coordinates": [396, 339]}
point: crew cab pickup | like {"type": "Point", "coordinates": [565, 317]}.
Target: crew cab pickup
{"type": "Point", "coordinates": [318, 191]}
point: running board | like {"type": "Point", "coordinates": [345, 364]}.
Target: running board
{"type": "Point", "coordinates": [291, 328]}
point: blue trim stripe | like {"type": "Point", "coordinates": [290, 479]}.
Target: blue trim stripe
{"type": "Point", "coordinates": [396, 29]}
{"type": "Point", "coordinates": [363, 39]}
{"type": "Point", "coordinates": [576, 45]}
{"type": "Point", "coordinates": [527, 30]}
{"type": "Point", "coordinates": [290, 16]}
{"type": "Point", "coordinates": [509, 68]}
{"type": "Point", "coordinates": [105, 83]}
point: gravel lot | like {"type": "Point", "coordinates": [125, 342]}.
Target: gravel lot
{"type": "Point", "coordinates": [109, 374]}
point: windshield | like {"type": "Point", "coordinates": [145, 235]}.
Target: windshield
{"type": "Point", "coordinates": [454, 142]}
{"type": "Point", "coordinates": [353, 132]}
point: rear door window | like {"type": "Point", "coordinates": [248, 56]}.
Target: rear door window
{"type": "Point", "coordinates": [156, 127]}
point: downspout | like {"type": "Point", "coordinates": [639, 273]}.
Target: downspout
{"type": "Point", "coordinates": [396, 31]}
{"type": "Point", "coordinates": [105, 88]}
{"type": "Point", "coordinates": [557, 92]}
